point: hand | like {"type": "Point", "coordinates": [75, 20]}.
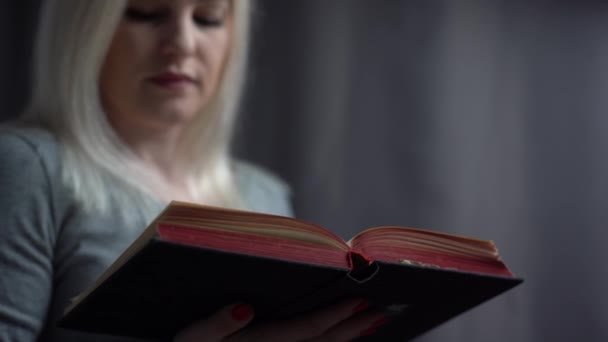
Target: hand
{"type": "Point", "coordinates": [340, 322]}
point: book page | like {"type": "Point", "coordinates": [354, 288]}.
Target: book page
{"type": "Point", "coordinates": [420, 247]}
{"type": "Point", "coordinates": [205, 217]}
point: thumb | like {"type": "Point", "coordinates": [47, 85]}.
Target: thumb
{"type": "Point", "coordinates": [223, 323]}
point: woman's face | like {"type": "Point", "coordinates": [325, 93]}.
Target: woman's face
{"type": "Point", "coordinates": [164, 63]}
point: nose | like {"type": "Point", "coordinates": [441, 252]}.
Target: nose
{"type": "Point", "coordinates": [178, 40]}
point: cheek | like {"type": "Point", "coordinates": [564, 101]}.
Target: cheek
{"type": "Point", "coordinates": [126, 52]}
{"type": "Point", "coordinates": [216, 64]}
{"type": "Point", "coordinates": [111, 85]}
{"type": "Point", "coordinates": [110, 81]}
{"type": "Point", "coordinates": [220, 45]}
{"type": "Point", "coordinates": [215, 57]}
{"type": "Point", "coordinates": [120, 67]}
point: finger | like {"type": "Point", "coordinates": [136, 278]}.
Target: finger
{"type": "Point", "coordinates": [306, 326]}
{"type": "Point", "coordinates": [359, 325]}
{"type": "Point", "coordinates": [227, 321]}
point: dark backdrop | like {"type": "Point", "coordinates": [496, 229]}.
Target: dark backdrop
{"type": "Point", "coordinates": [478, 117]}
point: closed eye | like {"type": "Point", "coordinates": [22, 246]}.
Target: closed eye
{"type": "Point", "coordinates": [138, 15]}
{"type": "Point", "coordinates": [208, 21]}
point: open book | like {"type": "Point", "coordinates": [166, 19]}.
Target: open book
{"type": "Point", "coordinates": [194, 259]}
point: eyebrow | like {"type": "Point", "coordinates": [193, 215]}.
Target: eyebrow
{"type": "Point", "coordinates": [215, 4]}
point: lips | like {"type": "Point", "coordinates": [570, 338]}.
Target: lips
{"type": "Point", "coordinates": [172, 80]}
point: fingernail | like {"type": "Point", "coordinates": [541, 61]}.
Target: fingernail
{"type": "Point", "coordinates": [242, 312]}
{"type": "Point", "coordinates": [374, 327]}
{"type": "Point", "coordinates": [364, 304]}
{"type": "Point", "coordinates": [367, 332]}
{"type": "Point", "coordinates": [382, 321]}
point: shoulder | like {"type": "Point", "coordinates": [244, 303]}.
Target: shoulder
{"type": "Point", "coordinates": [262, 190]}
{"type": "Point", "coordinates": [30, 167]}
{"type": "Point", "coordinates": [25, 143]}
{"type": "Point", "coordinates": [27, 184]}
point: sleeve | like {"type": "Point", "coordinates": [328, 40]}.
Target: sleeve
{"type": "Point", "coordinates": [26, 240]}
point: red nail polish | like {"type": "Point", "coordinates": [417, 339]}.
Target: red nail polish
{"type": "Point", "coordinates": [361, 306]}
{"type": "Point", "coordinates": [367, 332]}
{"type": "Point", "coordinates": [382, 321]}
{"type": "Point", "coordinates": [241, 312]}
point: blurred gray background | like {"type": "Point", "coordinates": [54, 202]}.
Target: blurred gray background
{"type": "Point", "coordinates": [484, 118]}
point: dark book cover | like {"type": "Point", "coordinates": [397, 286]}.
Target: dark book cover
{"type": "Point", "coordinates": [166, 286]}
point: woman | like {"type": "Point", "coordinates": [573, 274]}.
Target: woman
{"type": "Point", "coordinates": [132, 106]}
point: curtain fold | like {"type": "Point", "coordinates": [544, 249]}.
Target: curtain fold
{"type": "Point", "coordinates": [483, 118]}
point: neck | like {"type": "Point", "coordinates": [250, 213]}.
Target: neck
{"type": "Point", "coordinates": [160, 152]}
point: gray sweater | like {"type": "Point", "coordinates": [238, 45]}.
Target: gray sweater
{"type": "Point", "coordinates": [51, 249]}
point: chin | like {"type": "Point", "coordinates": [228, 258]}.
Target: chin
{"type": "Point", "coordinates": [177, 114]}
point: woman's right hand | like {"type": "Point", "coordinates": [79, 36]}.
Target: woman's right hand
{"type": "Point", "coordinates": [341, 322]}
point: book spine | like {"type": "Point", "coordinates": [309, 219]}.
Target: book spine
{"type": "Point", "coordinates": [362, 268]}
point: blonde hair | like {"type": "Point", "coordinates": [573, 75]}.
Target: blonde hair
{"type": "Point", "coordinates": [72, 41]}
